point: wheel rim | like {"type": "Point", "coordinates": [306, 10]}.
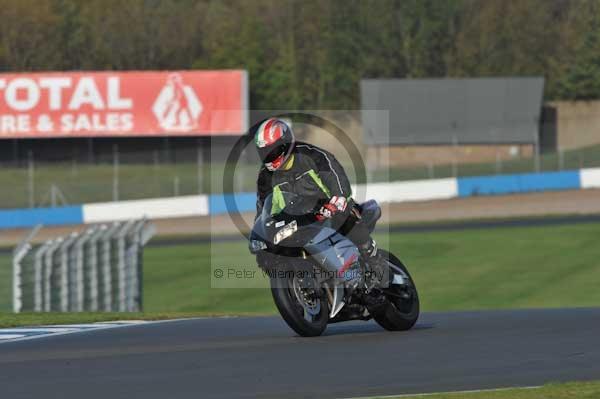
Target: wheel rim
{"type": "Point", "coordinates": [308, 303]}
{"type": "Point", "coordinates": [403, 296]}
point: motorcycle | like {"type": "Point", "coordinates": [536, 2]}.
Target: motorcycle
{"type": "Point", "coordinates": [307, 262]}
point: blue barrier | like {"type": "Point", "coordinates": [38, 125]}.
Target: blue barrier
{"type": "Point", "coordinates": [519, 183]}
{"type": "Point", "coordinates": [16, 218]}
{"type": "Point", "coordinates": [220, 203]}
{"type": "Point", "coordinates": [246, 202]}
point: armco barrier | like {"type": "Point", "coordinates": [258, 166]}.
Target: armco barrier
{"type": "Point", "coordinates": [415, 190]}
{"type": "Point", "coordinates": [520, 183]}
{"type": "Point", "coordinates": [590, 178]}
{"type": "Point", "coordinates": [220, 203]}
{"type": "Point", "coordinates": [202, 205]}
{"type": "Point", "coordinates": [19, 218]}
{"type": "Point", "coordinates": [156, 208]}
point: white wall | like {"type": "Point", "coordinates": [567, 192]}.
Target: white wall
{"type": "Point", "coordinates": [193, 205]}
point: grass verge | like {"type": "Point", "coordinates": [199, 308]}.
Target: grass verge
{"type": "Point", "coordinates": [579, 390]}
{"type": "Point", "coordinates": [509, 267]}
{"type": "Point", "coordinates": [37, 319]}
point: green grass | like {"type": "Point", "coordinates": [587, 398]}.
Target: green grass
{"type": "Point", "coordinates": [5, 282]}
{"type": "Point", "coordinates": [549, 266]}
{"type": "Point", "coordinates": [517, 267]}
{"type": "Point", "coordinates": [85, 183]}
{"type": "Point", "coordinates": [578, 390]}
{"type": "Point", "coordinates": [36, 319]}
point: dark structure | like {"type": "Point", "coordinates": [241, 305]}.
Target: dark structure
{"type": "Point", "coordinates": [453, 111]}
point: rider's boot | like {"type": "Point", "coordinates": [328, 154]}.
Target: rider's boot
{"type": "Point", "coordinates": [368, 249]}
{"type": "Point", "coordinates": [373, 298]}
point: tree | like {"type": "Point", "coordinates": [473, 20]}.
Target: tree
{"type": "Point", "coordinates": [29, 38]}
{"type": "Point", "coordinates": [581, 80]}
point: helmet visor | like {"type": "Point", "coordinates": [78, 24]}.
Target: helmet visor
{"type": "Point", "coordinates": [269, 154]}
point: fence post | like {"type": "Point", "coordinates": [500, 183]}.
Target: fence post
{"type": "Point", "coordinates": [31, 179]}
{"type": "Point", "coordinates": [16, 288]}
{"type": "Point", "coordinates": [122, 265]}
{"type": "Point", "coordinates": [199, 166]}
{"type": "Point", "coordinates": [49, 265]}
{"type": "Point", "coordinates": [430, 170]}
{"type": "Point", "coordinates": [106, 265]}
{"type": "Point", "coordinates": [95, 235]}
{"type": "Point", "coordinates": [38, 267]}
{"type": "Point", "coordinates": [19, 253]}
{"type": "Point", "coordinates": [498, 163]}
{"type": "Point", "coordinates": [147, 232]}
{"type": "Point", "coordinates": [115, 172]}
{"type": "Point", "coordinates": [561, 159]}
{"type": "Point", "coordinates": [176, 186]}
{"type": "Point", "coordinates": [65, 273]}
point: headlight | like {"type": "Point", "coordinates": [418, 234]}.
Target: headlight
{"type": "Point", "coordinates": [285, 232]}
{"type": "Point", "coordinates": [257, 245]}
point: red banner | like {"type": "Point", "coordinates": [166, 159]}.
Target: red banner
{"type": "Point", "coordinates": [103, 104]}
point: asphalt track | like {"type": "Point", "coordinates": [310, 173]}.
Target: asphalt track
{"type": "Point", "coordinates": [261, 357]}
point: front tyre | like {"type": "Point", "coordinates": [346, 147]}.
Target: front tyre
{"type": "Point", "coordinates": [402, 311]}
{"type": "Point", "coordinates": [302, 305]}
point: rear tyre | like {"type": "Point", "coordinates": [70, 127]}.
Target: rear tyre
{"type": "Point", "coordinates": [304, 308]}
{"type": "Point", "coordinates": [402, 311]}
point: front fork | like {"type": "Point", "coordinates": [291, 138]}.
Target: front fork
{"type": "Point", "coordinates": [335, 294]}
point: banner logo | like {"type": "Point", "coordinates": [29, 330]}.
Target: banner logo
{"type": "Point", "coordinates": [177, 107]}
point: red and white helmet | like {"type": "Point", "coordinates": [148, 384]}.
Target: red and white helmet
{"type": "Point", "coordinates": [275, 142]}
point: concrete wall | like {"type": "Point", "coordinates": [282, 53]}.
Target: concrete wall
{"type": "Point", "coordinates": [578, 123]}
{"type": "Point", "coordinates": [447, 154]}
{"type": "Point", "coordinates": [412, 155]}
{"type": "Point", "coordinates": [574, 124]}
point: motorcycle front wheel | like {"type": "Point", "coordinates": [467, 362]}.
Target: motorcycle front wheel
{"type": "Point", "coordinates": [303, 306]}
{"type": "Point", "coordinates": [402, 311]}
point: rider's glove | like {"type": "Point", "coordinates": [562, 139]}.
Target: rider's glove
{"type": "Point", "coordinates": [336, 204]}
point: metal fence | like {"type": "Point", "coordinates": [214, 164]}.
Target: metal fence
{"type": "Point", "coordinates": [58, 184]}
{"type": "Point", "coordinates": [38, 182]}
{"type": "Point", "coordinates": [140, 170]}
{"type": "Point", "coordinates": [98, 269]}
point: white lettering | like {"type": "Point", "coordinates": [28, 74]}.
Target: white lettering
{"type": "Point", "coordinates": [14, 124]}
{"type": "Point", "coordinates": [66, 123]}
{"type": "Point", "coordinates": [96, 122]}
{"type": "Point", "coordinates": [44, 123]}
{"type": "Point", "coordinates": [31, 98]}
{"type": "Point", "coordinates": [114, 96]}
{"type": "Point", "coordinates": [126, 122]}
{"type": "Point", "coordinates": [8, 124]}
{"type": "Point", "coordinates": [86, 92]}
{"type": "Point", "coordinates": [55, 87]}
{"type": "Point", "coordinates": [82, 123]}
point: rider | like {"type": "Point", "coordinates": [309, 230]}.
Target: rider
{"type": "Point", "coordinates": [309, 171]}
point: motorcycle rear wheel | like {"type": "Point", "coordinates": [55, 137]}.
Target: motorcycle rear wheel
{"type": "Point", "coordinates": [399, 314]}
{"type": "Point", "coordinates": [306, 316]}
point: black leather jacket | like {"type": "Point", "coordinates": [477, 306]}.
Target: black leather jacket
{"type": "Point", "coordinates": [314, 173]}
